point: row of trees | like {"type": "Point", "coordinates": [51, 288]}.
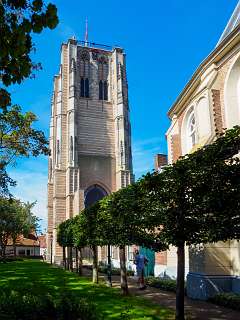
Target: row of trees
{"type": "Point", "coordinates": [195, 200]}
{"type": "Point", "coordinates": [16, 218]}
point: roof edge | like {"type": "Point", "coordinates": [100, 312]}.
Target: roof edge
{"type": "Point", "coordinates": [203, 65]}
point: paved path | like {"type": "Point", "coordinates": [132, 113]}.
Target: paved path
{"type": "Point", "coordinates": [195, 309]}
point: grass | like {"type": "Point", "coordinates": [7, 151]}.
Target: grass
{"type": "Point", "coordinates": [41, 278]}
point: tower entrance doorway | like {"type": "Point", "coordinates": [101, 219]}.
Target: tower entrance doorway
{"type": "Point", "coordinates": [93, 194]}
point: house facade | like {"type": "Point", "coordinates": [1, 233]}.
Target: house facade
{"type": "Point", "coordinates": [209, 103]}
{"type": "Point", "coordinates": [29, 247]}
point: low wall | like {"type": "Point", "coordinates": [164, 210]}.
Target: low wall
{"type": "Point", "coordinates": [203, 287]}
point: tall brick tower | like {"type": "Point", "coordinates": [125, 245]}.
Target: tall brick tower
{"type": "Point", "coordinates": [90, 132]}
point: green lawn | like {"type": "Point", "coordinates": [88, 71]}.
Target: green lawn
{"type": "Point", "coordinates": [41, 278]}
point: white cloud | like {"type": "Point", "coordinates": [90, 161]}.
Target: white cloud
{"type": "Point", "coordinates": [143, 154]}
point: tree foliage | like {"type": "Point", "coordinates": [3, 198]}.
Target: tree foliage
{"type": "Point", "coordinates": [193, 201]}
{"type": "Point", "coordinates": [18, 21]}
{"type": "Point", "coordinates": [196, 200]}
{"type": "Point", "coordinates": [16, 218]}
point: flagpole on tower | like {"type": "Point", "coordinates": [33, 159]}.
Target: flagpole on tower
{"type": "Point", "coordinates": [86, 33]}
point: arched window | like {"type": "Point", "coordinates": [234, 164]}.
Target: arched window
{"type": "Point", "coordinates": [232, 95]}
{"type": "Point", "coordinates": [94, 194]}
{"type": "Point", "coordinates": [102, 77]}
{"type": "Point", "coordinates": [84, 70]}
{"type": "Point", "coordinates": [191, 131]}
{"type": "Point", "coordinates": [103, 90]}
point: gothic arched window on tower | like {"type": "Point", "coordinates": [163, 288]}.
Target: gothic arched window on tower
{"type": "Point", "coordinates": [103, 90]}
{"type": "Point", "coordinates": [84, 90]}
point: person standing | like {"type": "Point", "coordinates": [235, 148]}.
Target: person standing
{"type": "Point", "coordinates": [140, 261]}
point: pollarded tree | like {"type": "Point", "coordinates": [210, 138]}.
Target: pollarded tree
{"type": "Point", "coordinates": [79, 239]}
{"type": "Point", "coordinates": [196, 200]}
{"type": "Point", "coordinates": [65, 240]}
{"type": "Point", "coordinates": [121, 223]}
{"type": "Point", "coordinates": [87, 229]}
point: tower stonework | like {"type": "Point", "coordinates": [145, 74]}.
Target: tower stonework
{"type": "Point", "coordinates": [90, 132]}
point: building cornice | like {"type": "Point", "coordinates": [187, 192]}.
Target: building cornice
{"type": "Point", "coordinates": [214, 57]}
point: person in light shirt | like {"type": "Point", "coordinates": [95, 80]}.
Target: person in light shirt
{"type": "Point", "coordinates": [140, 262]}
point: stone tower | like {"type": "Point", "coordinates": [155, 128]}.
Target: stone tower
{"type": "Point", "coordinates": [90, 132]}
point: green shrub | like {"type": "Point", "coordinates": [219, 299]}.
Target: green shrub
{"type": "Point", "coordinates": [164, 284]}
{"type": "Point", "coordinates": [17, 306]}
{"type": "Point", "coordinates": [115, 271]}
{"type": "Point", "coordinates": [227, 299]}
{"type": "Point", "coordinates": [10, 259]}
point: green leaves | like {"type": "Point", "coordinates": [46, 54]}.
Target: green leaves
{"type": "Point", "coordinates": [18, 138]}
{"type": "Point", "coordinates": [16, 218]}
{"type": "Point", "coordinates": [195, 200]}
{"type": "Point", "coordinates": [18, 19]}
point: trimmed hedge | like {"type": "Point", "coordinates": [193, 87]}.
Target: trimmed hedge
{"type": "Point", "coordinates": [18, 306]}
{"type": "Point", "coordinates": [10, 259]}
{"type": "Point", "coordinates": [227, 299]}
{"type": "Point", "coordinates": [163, 284]}
{"type": "Point", "coordinates": [115, 271]}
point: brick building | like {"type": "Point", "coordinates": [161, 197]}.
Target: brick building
{"type": "Point", "coordinates": [90, 133]}
{"type": "Point", "coordinates": [210, 102]}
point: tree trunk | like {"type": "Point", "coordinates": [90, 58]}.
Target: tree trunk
{"type": "Point", "coordinates": [4, 251]}
{"type": "Point", "coordinates": [76, 250]}
{"type": "Point", "coordinates": [14, 249]}
{"type": "Point", "coordinates": [180, 282]}
{"type": "Point", "coordinates": [70, 259]}
{"type": "Point", "coordinates": [124, 284]}
{"type": "Point", "coordinates": [109, 266]}
{"type": "Point", "coordinates": [80, 262]}
{"type": "Point", "coordinates": [95, 264]}
{"type": "Point", "coordinates": [64, 258]}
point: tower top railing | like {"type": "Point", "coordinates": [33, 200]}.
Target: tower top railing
{"type": "Point", "coordinates": [96, 45]}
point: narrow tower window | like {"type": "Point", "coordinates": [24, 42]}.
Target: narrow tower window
{"type": "Point", "coordinates": [100, 90]}
{"type": "Point", "coordinates": [71, 149]}
{"type": "Point", "coordinates": [105, 90]}
{"type": "Point", "coordinates": [86, 88]}
{"type": "Point", "coordinates": [82, 88]}
{"type": "Point", "coordinates": [84, 92]}
{"type": "Point", "coordinates": [58, 152]}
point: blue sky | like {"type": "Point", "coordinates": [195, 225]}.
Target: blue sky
{"type": "Point", "coordinates": [164, 40]}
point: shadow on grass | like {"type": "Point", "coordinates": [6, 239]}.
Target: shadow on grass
{"type": "Point", "coordinates": [41, 278]}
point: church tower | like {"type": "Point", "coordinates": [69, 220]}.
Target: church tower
{"type": "Point", "coordinates": [90, 132]}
